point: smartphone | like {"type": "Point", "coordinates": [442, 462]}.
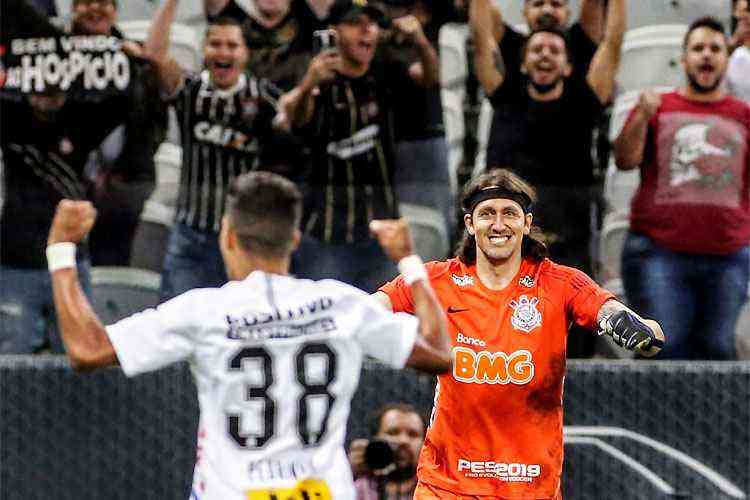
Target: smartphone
{"type": "Point", "coordinates": [323, 40]}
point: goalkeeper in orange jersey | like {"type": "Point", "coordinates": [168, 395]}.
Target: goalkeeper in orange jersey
{"type": "Point", "coordinates": [496, 428]}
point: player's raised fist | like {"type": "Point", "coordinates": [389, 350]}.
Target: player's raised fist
{"type": "Point", "coordinates": [72, 221]}
{"type": "Point", "coordinates": [394, 237]}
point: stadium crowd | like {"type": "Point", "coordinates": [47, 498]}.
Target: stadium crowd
{"type": "Point", "coordinates": [343, 97]}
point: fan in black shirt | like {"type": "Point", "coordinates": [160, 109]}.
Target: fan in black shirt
{"type": "Point", "coordinates": [545, 114]}
{"type": "Point", "coordinates": [45, 141]}
{"type": "Point", "coordinates": [422, 176]}
{"type": "Point", "coordinates": [279, 35]}
{"type": "Point", "coordinates": [225, 122]}
{"type": "Point", "coordinates": [344, 106]}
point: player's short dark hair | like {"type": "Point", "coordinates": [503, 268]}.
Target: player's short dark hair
{"type": "Point", "coordinates": [223, 21]}
{"type": "Point", "coordinates": [264, 209]}
{"type": "Point", "coordinates": [518, 190]}
{"type": "Point", "coordinates": [707, 22]}
{"type": "Point", "coordinates": [377, 418]}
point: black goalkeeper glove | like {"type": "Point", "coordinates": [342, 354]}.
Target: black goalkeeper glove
{"type": "Point", "coordinates": [628, 331]}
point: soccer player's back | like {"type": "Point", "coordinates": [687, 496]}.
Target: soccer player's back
{"type": "Point", "coordinates": [276, 362]}
{"type": "Point", "coordinates": [276, 359]}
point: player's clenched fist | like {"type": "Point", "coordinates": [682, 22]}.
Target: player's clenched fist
{"type": "Point", "coordinates": [394, 236]}
{"type": "Point", "coordinates": [72, 221]}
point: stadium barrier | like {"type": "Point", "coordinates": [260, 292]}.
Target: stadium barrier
{"type": "Point", "coordinates": [633, 430]}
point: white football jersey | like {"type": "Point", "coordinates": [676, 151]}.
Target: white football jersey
{"type": "Point", "coordinates": [276, 361]}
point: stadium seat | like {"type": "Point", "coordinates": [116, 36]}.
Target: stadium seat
{"type": "Point", "coordinates": [151, 237]}
{"type": "Point", "coordinates": [611, 241]}
{"type": "Point", "coordinates": [483, 136]}
{"type": "Point", "coordinates": [185, 46]}
{"type": "Point", "coordinates": [619, 188]}
{"type": "Point", "coordinates": [168, 160]}
{"type": "Point", "coordinates": [428, 229]}
{"type": "Point", "coordinates": [742, 333]}
{"type": "Point", "coordinates": [645, 13]}
{"type": "Point", "coordinates": [454, 66]}
{"type": "Point", "coordinates": [651, 58]}
{"type": "Point", "coordinates": [118, 292]}
{"type": "Point", "coordinates": [453, 118]}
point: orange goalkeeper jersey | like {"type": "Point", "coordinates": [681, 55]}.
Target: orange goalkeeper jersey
{"type": "Point", "coordinates": [496, 427]}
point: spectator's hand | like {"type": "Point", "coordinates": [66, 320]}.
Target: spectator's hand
{"type": "Point", "coordinates": [648, 103]}
{"type": "Point", "coordinates": [357, 456]}
{"type": "Point", "coordinates": [72, 221]}
{"type": "Point", "coordinates": [409, 26]}
{"type": "Point", "coordinates": [133, 49]}
{"type": "Point", "coordinates": [323, 67]}
{"type": "Point", "coordinates": [394, 237]}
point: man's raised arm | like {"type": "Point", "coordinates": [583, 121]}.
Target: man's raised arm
{"type": "Point", "coordinates": [156, 48]}
{"type": "Point", "coordinates": [486, 53]}
{"type": "Point", "coordinates": [603, 68]}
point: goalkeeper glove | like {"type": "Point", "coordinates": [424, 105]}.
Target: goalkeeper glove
{"type": "Point", "coordinates": [628, 331]}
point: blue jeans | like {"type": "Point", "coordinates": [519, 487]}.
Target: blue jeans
{"type": "Point", "coordinates": [28, 321]}
{"type": "Point", "coordinates": [193, 260]}
{"type": "Point", "coordinates": [362, 264]}
{"type": "Point", "coordinates": [696, 298]}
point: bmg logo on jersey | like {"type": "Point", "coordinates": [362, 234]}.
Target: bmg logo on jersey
{"type": "Point", "coordinates": [486, 367]}
{"type": "Point", "coordinates": [513, 473]}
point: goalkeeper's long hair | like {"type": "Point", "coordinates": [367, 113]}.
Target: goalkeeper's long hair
{"type": "Point", "coordinates": [532, 247]}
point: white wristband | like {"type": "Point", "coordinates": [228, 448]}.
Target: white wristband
{"type": "Point", "coordinates": [61, 256]}
{"type": "Point", "coordinates": [412, 269]}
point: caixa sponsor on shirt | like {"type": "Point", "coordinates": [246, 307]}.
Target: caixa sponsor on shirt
{"type": "Point", "coordinates": [220, 135]}
{"type": "Point", "coordinates": [485, 367]}
{"type": "Point", "coordinates": [513, 472]}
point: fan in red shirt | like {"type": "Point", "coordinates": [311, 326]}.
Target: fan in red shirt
{"type": "Point", "coordinates": [496, 427]}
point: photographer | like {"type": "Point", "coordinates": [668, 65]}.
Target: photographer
{"type": "Point", "coordinates": [386, 466]}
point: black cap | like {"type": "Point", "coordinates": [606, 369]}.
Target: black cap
{"type": "Point", "coordinates": [348, 10]}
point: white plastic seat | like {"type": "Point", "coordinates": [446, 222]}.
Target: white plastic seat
{"type": "Point", "coordinates": [118, 292]}
{"type": "Point", "coordinates": [429, 230]}
{"type": "Point", "coordinates": [611, 242]}
{"type": "Point", "coordinates": [650, 12]}
{"type": "Point", "coordinates": [651, 62]}
{"type": "Point", "coordinates": [454, 65]}
{"type": "Point", "coordinates": [152, 237]}
{"type": "Point", "coordinates": [168, 161]}
{"type": "Point", "coordinates": [620, 187]}
{"type": "Point", "coordinates": [184, 41]}
{"type": "Point", "coordinates": [453, 118]}
{"type": "Point", "coordinates": [742, 333]}
{"type": "Point", "coordinates": [484, 126]}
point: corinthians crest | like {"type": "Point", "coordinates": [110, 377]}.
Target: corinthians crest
{"type": "Point", "coordinates": [525, 317]}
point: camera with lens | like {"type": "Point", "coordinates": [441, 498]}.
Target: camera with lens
{"type": "Point", "coordinates": [379, 454]}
